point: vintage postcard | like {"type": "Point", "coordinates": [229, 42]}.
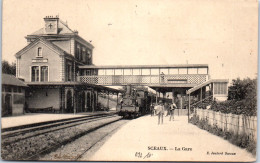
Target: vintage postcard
{"type": "Point", "coordinates": [129, 80]}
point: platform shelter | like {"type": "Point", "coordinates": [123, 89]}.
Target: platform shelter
{"type": "Point", "coordinates": [214, 89]}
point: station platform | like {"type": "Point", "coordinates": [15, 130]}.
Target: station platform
{"type": "Point", "coordinates": [142, 139]}
{"type": "Point", "coordinates": [31, 118]}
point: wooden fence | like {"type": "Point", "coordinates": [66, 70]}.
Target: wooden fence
{"type": "Point", "coordinates": [238, 124]}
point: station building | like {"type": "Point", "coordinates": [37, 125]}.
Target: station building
{"type": "Point", "coordinates": [13, 95]}
{"type": "Point", "coordinates": [57, 66]}
{"type": "Point", "coordinates": [49, 66]}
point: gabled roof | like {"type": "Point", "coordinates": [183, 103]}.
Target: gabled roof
{"type": "Point", "coordinates": [46, 42]}
{"type": "Point", "coordinates": [12, 80]}
{"type": "Point", "coordinates": [62, 29]}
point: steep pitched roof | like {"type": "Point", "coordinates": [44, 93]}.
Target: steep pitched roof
{"type": "Point", "coordinates": [46, 42]}
{"type": "Point", "coordinates": [62, 29]}
{"type": "Point", "coordinates": [12, 80]}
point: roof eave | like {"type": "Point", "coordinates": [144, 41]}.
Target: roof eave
{"type": "Point", "coordinates": [206, 83]}
{"type": "Point", "coordinates": [146, 66]}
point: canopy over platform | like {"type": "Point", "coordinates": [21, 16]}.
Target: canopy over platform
{"type": "Point", "coordinates": [214, 89]}
{"type": "Point", "coordinates": [212, 81]}
{"type": "Point", "coordinates": [78, 84]}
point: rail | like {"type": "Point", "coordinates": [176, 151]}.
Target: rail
{"type": "Point", "coordinates": [32, 141]}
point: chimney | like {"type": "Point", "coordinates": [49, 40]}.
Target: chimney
{"type": "Point", "coordinates": [51, 24]}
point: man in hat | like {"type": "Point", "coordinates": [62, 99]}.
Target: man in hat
{"type": "Point", "coordinates": [172, 108]}
{"type": "Point", "coordinates": [160, 112]}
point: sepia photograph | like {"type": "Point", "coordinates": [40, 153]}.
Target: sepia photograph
{"type": "Point", "coordinates": [129, 80]}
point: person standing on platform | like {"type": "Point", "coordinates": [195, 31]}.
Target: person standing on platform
{"type": "Point", "coordinates": [152, 109]}
{"type": "Point", "coordinates": [160, 112]}
{"type": "Point", "coordinates": [162, 77]}
{"type": "Point", "coordinates": [172, 108]}
{"type": "Point", "coordinates": [167, 108]}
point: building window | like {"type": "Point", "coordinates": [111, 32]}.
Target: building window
{"type": "Point", "coordinates": [183, 70]}
{"type": "Point", "coordinates": [118, 72]}
{"type": "Point", "coordinates": [202, 70]}
{"type": "Point", "coordinates": [84, 54]}
{"type": "Point", "coordinates": [192, 71]}
{"type": "Point", "coordinates": [78, 52]}
{"type": "Point", "coordinates": [15, 89]}
{"type": "Point", "coordinates": [164, 70]}
{"type": "Point", "coordinates": [145, 71]}
{"type": "Point", "coordinates": [109, 71]}
{"type": "Point", "coordinates": [69, 72]}
{"type": "Point", "coordinates": [220, 88]}
{"type": "Point", "coordinates": [136, 72]}
{"type": "Point", "coordinates": [44, 73]}
{"type": "Point", "coordinates": [88, 57]}
{"type": "Point", "coordinates": [173, 71]}
{"type": "Point", "coordinates": [101, 72]}
{"type": "Point", "coordinates": [154, 71]}
{"type": "Point", "coordinates": [6, 88]}
{"type": "Point", "coordinates": [127, 71]}
{"type": "Point", "coordinates": [39, 73]}
{"type": "Point", "coordinates": [39, 52]}
{"type": "Point", "coordinates": [88, 73]}
{"type": "Point", "coordinates": [35, 74]}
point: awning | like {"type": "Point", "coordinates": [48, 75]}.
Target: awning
{"type": "Point", "coordinates": [98, 87]}
{"type": "Point", "coordinates": [205, 84]}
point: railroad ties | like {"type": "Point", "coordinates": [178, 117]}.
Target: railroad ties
{"type": "Point", "coordinates": [30, 142]}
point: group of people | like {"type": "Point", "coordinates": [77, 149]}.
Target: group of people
{"type": "Point", "coordinates": [160, 108]}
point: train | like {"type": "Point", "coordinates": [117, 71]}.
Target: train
{"type": "Point", "coordinates": [135, 102]}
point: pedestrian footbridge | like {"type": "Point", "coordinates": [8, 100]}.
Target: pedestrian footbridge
{"type": "Point", "coordinates": [178, 80]}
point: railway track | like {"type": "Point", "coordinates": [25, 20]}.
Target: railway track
{"type": "Point", "coordinates": [49, 126]}
{"type": "Point", "coordinates": [81, 154]}
{"type": "Point", "coordinates": [83, 148]}
{"type": "Point", "coordinates": [29, 142]}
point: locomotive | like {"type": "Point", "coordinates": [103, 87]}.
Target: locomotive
{"type": "Point", "coordinates": [135, 102]}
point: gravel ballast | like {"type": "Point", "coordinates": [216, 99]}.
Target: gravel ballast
{"type": "Point", "coordinates": [28, 149]}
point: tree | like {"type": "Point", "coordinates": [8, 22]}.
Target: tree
{"type": "Point", "coordinates": [8, 68]}
{"type": "Point", "coordinates": [242, 89]}
{"type": "Point", "coordinates": [243, 96]}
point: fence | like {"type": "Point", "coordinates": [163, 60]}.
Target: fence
{"type": "Point", "coordinates": [238, 124]}
{"type": "Point", "coordinates": [180, 112]}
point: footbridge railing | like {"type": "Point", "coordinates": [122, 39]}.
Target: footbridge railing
{"type": "Point", "coordinates": [143, 79]}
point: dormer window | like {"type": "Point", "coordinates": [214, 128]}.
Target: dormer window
{"type": "Point", "coordinates": [39, 52]}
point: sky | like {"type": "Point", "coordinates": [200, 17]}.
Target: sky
{"type": "Point", "coordinates": [220, 33]}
